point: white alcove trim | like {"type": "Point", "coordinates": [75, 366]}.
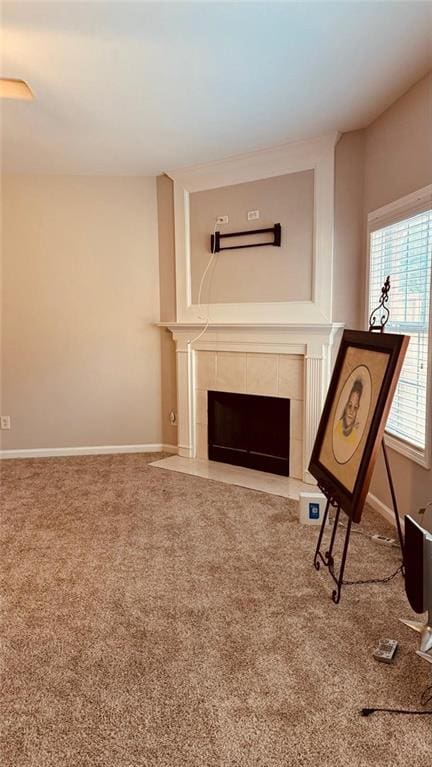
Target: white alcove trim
{"type": "Point", "coordinates": [314, 154]}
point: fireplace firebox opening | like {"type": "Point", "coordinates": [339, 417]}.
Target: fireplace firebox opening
{"type": "Point", "coordinates": [249, 430]}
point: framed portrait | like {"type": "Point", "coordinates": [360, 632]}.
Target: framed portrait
{"type": "Point", "coordinates": [355, 412]}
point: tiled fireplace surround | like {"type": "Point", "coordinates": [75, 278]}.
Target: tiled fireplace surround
{"type": "Point", "coordinates": [281, 361]}
{"type": "Point", "coordinates": [277, 375]}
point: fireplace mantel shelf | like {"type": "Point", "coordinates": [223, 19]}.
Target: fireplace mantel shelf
{"type": "Point", "coordinates": [278, 338]}
{"type": "Point", "coordinates": [295, 327]}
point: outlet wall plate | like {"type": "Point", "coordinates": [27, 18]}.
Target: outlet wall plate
{"type": "Point", "coordinates": [253, 215]}
{"type": "Point", "coordinates": [311, 508]}
{"type": "Point", "coordinates": [5, 422]}
{"type": "Point", "coordinates": [222, 219]}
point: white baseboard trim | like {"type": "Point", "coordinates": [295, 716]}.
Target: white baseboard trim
{"type": "Point", "coordinates": [53, 452]}
{"type": "Point", "coordinates": [382, 509]}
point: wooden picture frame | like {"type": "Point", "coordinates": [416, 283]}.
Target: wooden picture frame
{"type": "Point", "coordinates": [354, 416]}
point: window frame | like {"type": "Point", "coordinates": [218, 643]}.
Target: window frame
{"type": "Point", "coordinates": [405, 207]}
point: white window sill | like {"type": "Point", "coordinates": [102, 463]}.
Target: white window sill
{"type": "Point", "coordinates": [416, 454]}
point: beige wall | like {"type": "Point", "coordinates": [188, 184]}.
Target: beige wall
{"type": "Point", "coordinates": [399, 147]}
{"type": "Point", "coordinates": [398, 160]}
{"type": "Point", "coordinates": [81, 357]}
{"type": "Point", "coordinates": [165, 201]}
{"type": "Point", "coordinates": [169, 387]}
{"type": "Point", "coordinates": [348, 230]}
{"type": "Point", "coordinates": [168, 312]}
{"type": "Point", "coordinates": [255, 274]}
{"type": "Point", "coordinates": [1, 302]}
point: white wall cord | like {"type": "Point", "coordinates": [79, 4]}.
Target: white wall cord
{"type": "Point", "coordinates": [205, 272]}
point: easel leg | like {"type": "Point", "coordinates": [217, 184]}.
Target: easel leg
{"type": "Point", "coordinates": [394, 502]}
{"type": "Point", "coordinates": [329, 553]}
{"type": "Point", "coordinates": [337, 592]}
{"type": "Point", "coordinates": [320, 537]}
{"type": "Point", "coordinates": [327, 559]}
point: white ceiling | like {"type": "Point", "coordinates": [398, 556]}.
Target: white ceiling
{"type": "Point", "coordinates": [137, 87]}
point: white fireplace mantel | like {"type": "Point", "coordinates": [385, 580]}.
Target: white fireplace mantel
{"type": "Point", "coordinates": [313, 342]}
{"type": "Point", "coordinates": [241, 336]}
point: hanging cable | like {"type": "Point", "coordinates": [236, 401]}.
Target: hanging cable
{"type": "Point", "coordinates": [205, 272]}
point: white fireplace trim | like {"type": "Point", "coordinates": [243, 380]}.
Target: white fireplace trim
{"type": "Point", "coordinates": [313, 342]}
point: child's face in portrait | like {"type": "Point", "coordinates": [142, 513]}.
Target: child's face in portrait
{"type": "Point", "coordinates": [351, 410]}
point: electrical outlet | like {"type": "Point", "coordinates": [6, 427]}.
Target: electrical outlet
{"type": "Point", "coordinates": [222, 219]}
{"type": "Point", "coordinates": [253, 215]}
{"type": "Point", "coordinates": [173, 417]}
{"type": "Point", "coordinates": [5, 422]}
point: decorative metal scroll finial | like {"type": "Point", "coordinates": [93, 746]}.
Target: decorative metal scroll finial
{"type": "Point", "coordinates": [380, 315]}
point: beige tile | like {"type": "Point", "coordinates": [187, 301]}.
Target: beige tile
{"type": "Point", "coordinates": [261, 374]}
{"type": "Point", "coordinates": [206, 370]}
{"type": "Point", "coordinates": [296, 458]}
{"type": "Point", "coordinates": [296, 419]}
{"type": "Point", "coordinates": [202, 441]}
{"type": "Point", "coordinates": [291, 377]}
{"type": "Point", "coordinates": [231, 372]}
{"type": "Point", "coordinates": [201, 406]}
{"type": "Point", "coordinates": [236, 475]}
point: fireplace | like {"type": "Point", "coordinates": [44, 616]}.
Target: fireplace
{"type": "Point", "coordinates": [249, 430]}
{"type": "Point", "coordinates": [285, 362]}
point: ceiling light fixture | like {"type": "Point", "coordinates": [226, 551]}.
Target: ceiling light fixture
{"type": "Point", "coordinates": [14, 89]}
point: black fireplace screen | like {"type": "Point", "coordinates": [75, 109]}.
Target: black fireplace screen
{"type": "Point", "coordinates": [249, 430]}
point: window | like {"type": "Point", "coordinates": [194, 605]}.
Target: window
{"type": "Point", "coordinates": [400, 245]}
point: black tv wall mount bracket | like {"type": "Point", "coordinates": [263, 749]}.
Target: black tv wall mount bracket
{"type": "Point", "coordinates": [215, 240]}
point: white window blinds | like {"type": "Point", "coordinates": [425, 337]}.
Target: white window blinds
{"type": "Point", "coordinates": [403, 250]}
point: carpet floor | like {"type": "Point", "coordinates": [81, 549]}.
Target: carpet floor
{"type": "Point", "coordinates": [154, 619]}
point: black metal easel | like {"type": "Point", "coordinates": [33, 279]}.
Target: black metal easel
{"type": "Point", "coordinates": [377, 322]}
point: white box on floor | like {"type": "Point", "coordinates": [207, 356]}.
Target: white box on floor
{"type": "Point", "coordinates": [311, 508]}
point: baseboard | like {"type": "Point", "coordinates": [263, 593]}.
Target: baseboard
{"type": "Point", "coordinates": [53, 452]}
{"type": "Point", "coordinates": [381, 508]}
{"type": "Point", "coordinates": [170, 449]}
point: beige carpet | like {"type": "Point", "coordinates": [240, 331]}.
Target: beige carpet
{"type": "Point", "coordinates": [152, 618]}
